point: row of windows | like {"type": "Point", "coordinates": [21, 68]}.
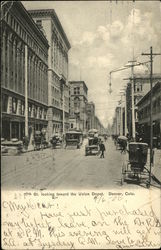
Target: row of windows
{"type": "Point", "coordinates": [55, 91]}
{"type": "Point", "coordinates": [156, 108]}
{"type": "Point", "coordinates": [59, 60]}
{"type": "Point", "coordinates": [14, 68]}
{"type": "Point", "coordinates": [55, 80]}
{"type": "Point", "coordinates": [55, 102]}
{"type": "Point", "coordinates": [18, 107]}
{"type": "Point", "coordinates": [56, 116]}
{"type": "Point", "coordinates": [55, 127]}
{"type": "Point", "coordinates": [25, 37]}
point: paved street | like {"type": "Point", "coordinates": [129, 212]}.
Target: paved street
{"type": "Point", "coordinates": [64, 169]}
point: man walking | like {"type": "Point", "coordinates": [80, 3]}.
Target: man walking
{"type": "Point", "coordinates": [102, 149]}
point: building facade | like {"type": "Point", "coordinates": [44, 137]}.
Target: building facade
{"type": "Point", "coordinates": [58, 89]}
{"type": "Point", "coordinates": [141, 87]}
{"type": "Point", "coordinates": [90, 108]}
{"type": "Point", "coordinates": [144, 115]}
{"type": "Point", "coordinates": [78, 104]}
{"type": "Point", "coordinates": [98, 125]}
{"type": "Point", "coordinates": [22, 42]}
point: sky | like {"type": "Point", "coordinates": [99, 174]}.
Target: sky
{"type": "Point", "coordinates": [104, 35]}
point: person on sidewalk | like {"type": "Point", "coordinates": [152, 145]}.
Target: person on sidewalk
{"type": "Point", "coordinates": [102, 149]}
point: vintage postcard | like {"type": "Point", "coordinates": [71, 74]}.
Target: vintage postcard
{"type": "Point", "coordinates": [81, 124]}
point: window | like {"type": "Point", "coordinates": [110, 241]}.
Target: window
{"type": "Point", "coordinates": [40, 113]}
{"type": "Point", "coordinates": [77, 91]}
{"type": "Point", "coordinates": [14, 105]}
{"type": "Point", "coordinates": [39, 23]}
{"type": "Point", "coordinates": [29, 110]}
{"type": "Point", "coordinates": [22, 108]}
{"type": "Point", "coordinates": [35, 111]}
{"type": "Point", "coordinates": [71, 125]}
{"type": "Point", "coordinates": [45, 114]}
{"type": "Point", "coordinates": [4, 103]}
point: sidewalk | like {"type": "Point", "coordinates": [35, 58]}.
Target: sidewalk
{"type": "Point", "coordinates": [156, 169]}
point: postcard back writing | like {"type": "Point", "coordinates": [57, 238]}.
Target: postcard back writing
{"type": "Point", "coordinates": [81, 220]}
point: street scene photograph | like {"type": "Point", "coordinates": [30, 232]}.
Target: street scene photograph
{"type": "Point", "coordinates": [80, 95]}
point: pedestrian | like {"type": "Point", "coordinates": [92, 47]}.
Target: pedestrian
{"type": "Point", "coordinates": [123, 146]}
{"type": "Point", "coordinates": [102, 149]}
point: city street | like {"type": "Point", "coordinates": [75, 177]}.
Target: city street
{"type": "Point", "coordinates": [64, 169]}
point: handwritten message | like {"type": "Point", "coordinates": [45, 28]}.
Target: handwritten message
{"type": "Point", "coordinates": [81, 220]}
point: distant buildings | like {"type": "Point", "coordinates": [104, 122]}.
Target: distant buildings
{"type": "Point", "coordinates": [98, 125]}
{"type": "Point", "coordinates": [22, 40]}
{"type": "Point", "coordinates": [90, 109]}
{"type": "Point", "coordinates": [82, 112]}
{"type": "Point", "coordinates": [78, 104]}
{"type": "Point", "coordinates": [58, 91]}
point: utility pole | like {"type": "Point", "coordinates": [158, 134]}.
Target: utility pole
{"type": "Point", "coordinates": [63, 110]}
{"type": "Point", "coordinates": [26, 91]}
{"type": "Point", "coordinates": [132, 100]}
{"type": "Point", "coordinates": [132, 88]}
{"type": "Point", "coordinates": [125, 115]}
{"type": "Point", "coordinates": [121, 120]}
{"type": "Point", "coordinates": [151, 54]}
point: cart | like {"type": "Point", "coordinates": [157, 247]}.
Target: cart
{"type": "Point", "coordinates": [55, 141]}
{"type": "Point", "coordinates": [74, 139]}
{"type": "Point", "coordinates": [92, 148]}
{"type": "Point", "coordinates": [135, 169]}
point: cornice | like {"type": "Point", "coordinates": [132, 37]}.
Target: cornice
{"type": "Point", "coordinates": [51, 13]}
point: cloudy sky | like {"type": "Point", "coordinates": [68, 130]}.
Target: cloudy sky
{"type": "Point", "coordinates": [104, 35]}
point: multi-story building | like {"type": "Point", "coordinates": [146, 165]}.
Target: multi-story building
{"type": "Point", "coordinates": [24, 58]}
{"type": "Point", "coordinates": [58, 92]}
{"type": "Point", "coordinates": [90, 108]}
{"type": "Point", "coordinates": [78, 103]}
{"type": "Point", "coordinates": [144, 115]}
{"type": "Point", "coordinates": [141, 87]}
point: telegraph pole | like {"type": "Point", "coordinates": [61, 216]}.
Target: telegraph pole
{"type": "Point", "coordinates": [121, 120]}
{"type": "Point", "coordinates": [151, 54]}
{"type": "Point", "coordinates": [132, 99]}
{"type": "Point", "coordinates": [125, 115]}
{"type": "Point", "coordinates": [26, 91]}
